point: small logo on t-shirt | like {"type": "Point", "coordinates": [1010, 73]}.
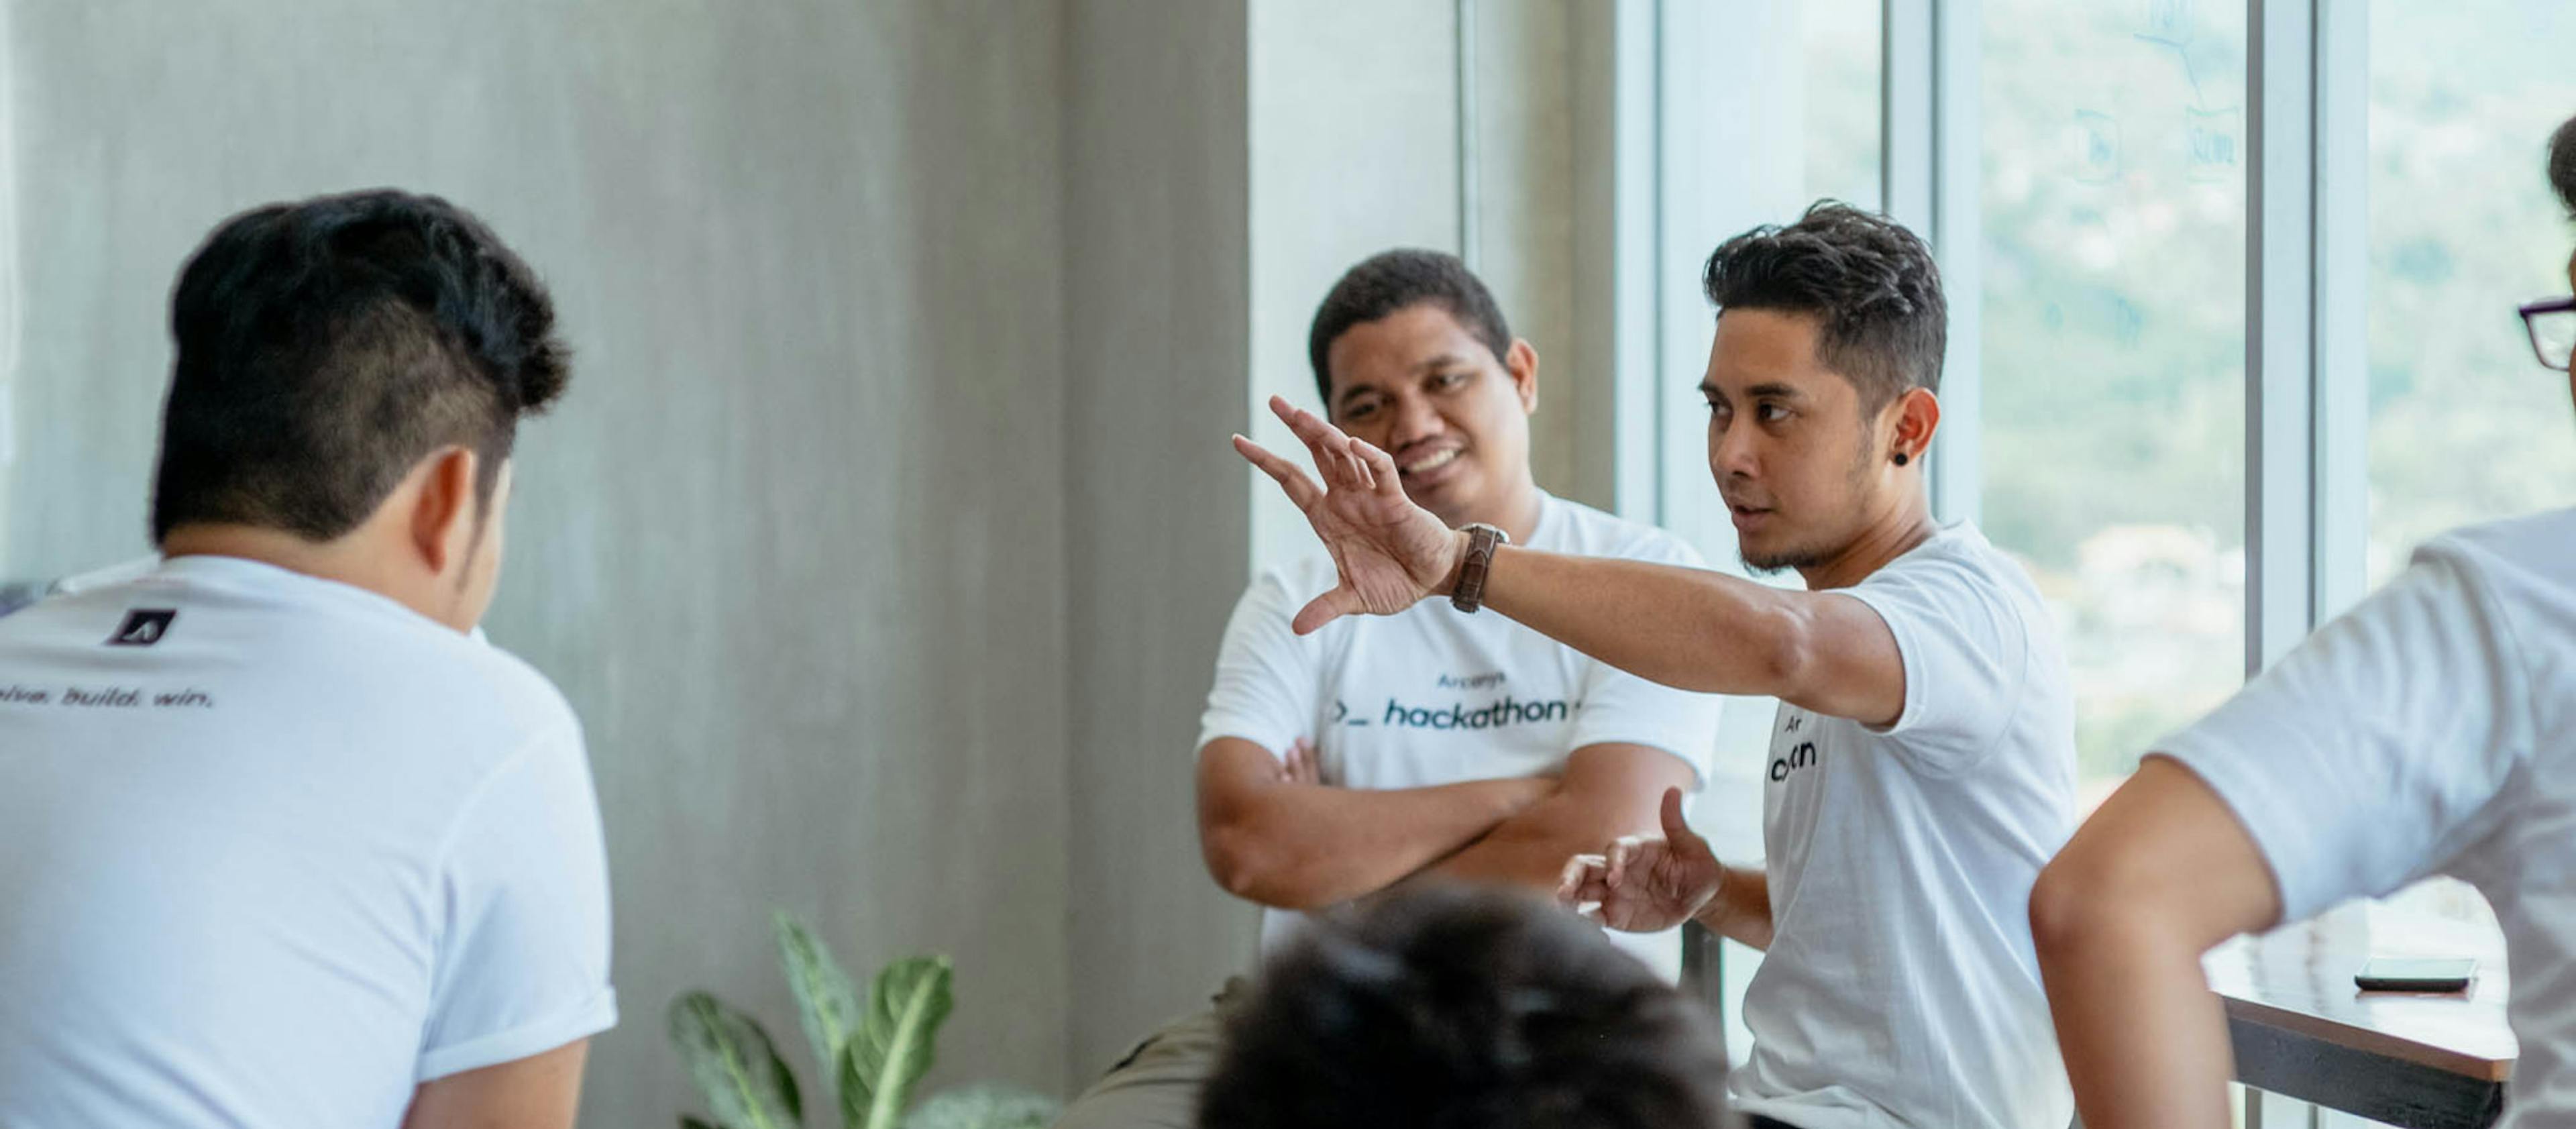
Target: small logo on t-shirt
{"type": "Point", "coordinates": [143, 627]}
{"type": "Point", "coordinates": [1799, 755]}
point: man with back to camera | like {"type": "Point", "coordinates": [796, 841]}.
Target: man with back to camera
{"type": "Point", "coordinates": [2429, 730]}
{"type": "Point", "coordinates": [1337, 764]}
{"type": "Point", "coordinates": [279, 844]}
{"type": "Point", "coordinates": [1922, 766]}
{"type": "Point", "coordinates": [1459, 1007]}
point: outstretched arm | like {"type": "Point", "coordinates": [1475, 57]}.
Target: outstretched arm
{"type": "Point", "coordinates": [1691, 628]}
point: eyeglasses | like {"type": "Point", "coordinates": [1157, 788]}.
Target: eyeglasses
{"type": "Point", "coordinates": [2552, 325]}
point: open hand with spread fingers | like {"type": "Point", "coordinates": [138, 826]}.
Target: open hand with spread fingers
{"type": "Point", "coordinates": [1390, 552]}
{"type": "Point", "coordinates": [1645, 885]}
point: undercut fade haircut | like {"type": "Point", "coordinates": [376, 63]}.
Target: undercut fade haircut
{"type": "Point", "coordinates": [1391, 281]}
{"type": "Point", "coordinates": [2562, 164]}
{"type": "Point", "coordinates": [1870, 283]}
{"type": "Point", "coordinates": [325, 347]}
{"type": "Point", "coordinates": [1459, 1008]}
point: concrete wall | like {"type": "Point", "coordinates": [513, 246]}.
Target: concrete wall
{"type": "Point", "coordinates": [792, 543]}
{"type": "Point", "coordinates": [1158, 330]}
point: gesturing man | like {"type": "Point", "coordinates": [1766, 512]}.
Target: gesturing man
{"type": "Point", "coordinates": [1922, 767]}
{"type": "Point", "coordinates": [1335, 764]}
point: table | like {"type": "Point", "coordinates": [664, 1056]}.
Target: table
{"type": "Point", "coordinates": [2302, 1030]}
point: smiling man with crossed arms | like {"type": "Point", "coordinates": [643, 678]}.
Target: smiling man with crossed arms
{"type": "Point", "coordinates": [1434, 744]}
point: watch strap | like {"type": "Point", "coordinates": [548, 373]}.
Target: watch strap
{"type": "Point", "coordinates": [1482, 539]}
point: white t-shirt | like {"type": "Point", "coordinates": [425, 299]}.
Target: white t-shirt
{"type": "Point", "coordinates": [275, 850]}
{"type": "Point", "coordinates": [1901, 987]}
{"type": "Point", "coordinates": [2432, 730]}
{"type": "Point", "coordinates": [1434, 696]}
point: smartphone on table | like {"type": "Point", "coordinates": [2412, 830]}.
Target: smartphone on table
{"type": "Point", "coordinates": [2416, 974]}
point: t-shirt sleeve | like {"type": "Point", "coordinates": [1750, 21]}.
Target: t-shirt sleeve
{"type": "Point", "coordinates": [522, 964]}
{"type": "Point", "coordinates": [2361, 761]}
{"type": "Point", "coordinates": [1620, 708]}
{"type": "Point", "coordinates": [1965, 646]}
{"type": "Point", "coordinates": [1265, 674]}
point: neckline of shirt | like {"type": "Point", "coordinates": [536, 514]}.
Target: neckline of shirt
{"type": "Point", "coordinates": [222, 571]}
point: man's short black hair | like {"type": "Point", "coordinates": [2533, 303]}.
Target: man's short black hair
{"type": "Point", "coordinates": [1871, 283]}
{"type": "Point", "coordinates": [325, 347]}
{"type": "Point", "coordinates": [2562, 164]}
{"type": "Point", "coordinates": [1389, 281]}
{"type": "Point", "coordinates": [1462, 1008]}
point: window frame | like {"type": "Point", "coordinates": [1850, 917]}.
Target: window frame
{"type": "Point", "coordinates": [2306, 386]}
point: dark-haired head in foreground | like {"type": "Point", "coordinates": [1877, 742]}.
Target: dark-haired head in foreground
{"type": "Point", "coordinates": [350, 375]}
{"type": "Point", "coordinates": [1459, 1008]}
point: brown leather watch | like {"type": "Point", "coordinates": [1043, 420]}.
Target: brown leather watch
{"type": "Point", "coordinates": [1469, 594]}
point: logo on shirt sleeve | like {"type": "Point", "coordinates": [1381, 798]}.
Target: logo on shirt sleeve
{"type": "Point", "coordinates": [143, 627]}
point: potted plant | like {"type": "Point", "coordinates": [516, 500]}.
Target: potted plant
{"type": "Point", "coordinates": [872, 1052]}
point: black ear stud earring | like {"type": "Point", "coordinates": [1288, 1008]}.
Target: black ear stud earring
{"type": "Point", "coordinates": [1901, 458]}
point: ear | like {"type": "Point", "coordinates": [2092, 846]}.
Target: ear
{"type": "Point", "coordinates": [1918, 415]}
{"type": "Point", "coordinates": [442, 514]}
{"type": "Point", "coordinates": [1522, 362]}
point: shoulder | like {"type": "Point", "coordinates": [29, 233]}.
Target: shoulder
{"type": "Point", "coordinates": [531, 702]}
{"type": "Point", "coordinates": [1958, 558]}
{"type": "Point", "coordinates": [485, 703]}
{"type": "Point", "coordinates": [1959, 580]}
{"type": "Point", "coordinates": [2530, 557]}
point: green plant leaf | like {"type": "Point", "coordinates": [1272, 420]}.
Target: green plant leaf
{"type": "Point", "coordinates": [892, 1049]}
{"type": "Point", "coordinates": [734, 1065]}
{"type": "Point", "coordinates": [688, 1122]}
{"type": "Point", "coordinates": [984, 1107]}
{"type": "Point", "coordinates": [826, 1001]}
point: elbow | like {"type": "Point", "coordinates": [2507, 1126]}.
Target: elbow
{"type": "Point", "coordinates": [2086, 904]}
{"type": "Point", "coordinates": [1245, 864]}
{"type": "Point", "coordinates": [1789, 658]}
{"type": "Point", "coordinates": [2061, 912]}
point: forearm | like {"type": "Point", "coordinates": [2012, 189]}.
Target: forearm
{"type": "Point", "coordinates": [2144, 1039]}
{"type": "Point", "coordinates": [1530, 849]}
{"type": "Point", "coordinates": [1688, 628]}
{"type": "Point", "coordinates": [1299, 846]}
{"type": "Point", "coordinates": [1741, 911]}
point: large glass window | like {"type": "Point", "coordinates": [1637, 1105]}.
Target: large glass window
{"type": "Point", "coordinates": [1841, 41]}
{"type": "Point", "coordinates": [2113, 352]}
{"type": "Point", "coordinates": [2464, 425]}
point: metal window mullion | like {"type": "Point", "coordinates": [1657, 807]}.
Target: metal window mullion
{"type": "Point", "coordinates": [2340, 514]}
{"type": "Point", "coordinates": [1637, 366]}
{"type": "Point", "coordinates": [1929, 149]}
{"type": "Point", "coordinates": [1958, 234]}
{"type": "Point", "coordinates": [1907, 91]}
{"type": "Point", "coordinates": [2280, 327]}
